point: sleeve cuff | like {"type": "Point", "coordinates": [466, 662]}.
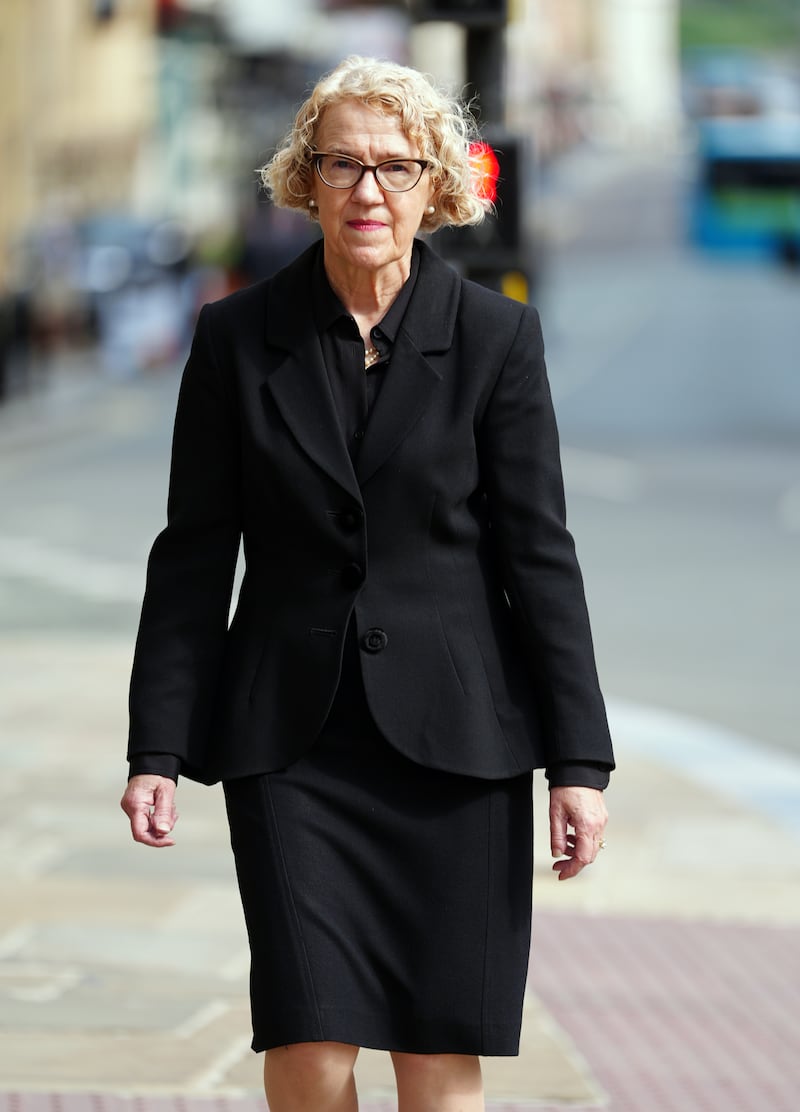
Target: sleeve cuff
{"type": "Point", "coordinates": [155, 764]}
{"type": "Point", "coordinates": [579, 774]}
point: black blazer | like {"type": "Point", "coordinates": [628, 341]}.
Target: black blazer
{"type": "Point", "coordinates": [446, 543]}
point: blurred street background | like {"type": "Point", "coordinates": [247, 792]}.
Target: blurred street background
{"type": "Point", "coordinates": [653, 216]}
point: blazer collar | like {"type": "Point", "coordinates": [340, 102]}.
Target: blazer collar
{"type": "Point", "coordinates": [429, 320]}
{"type": "Point", "coordinates": [299, 383]}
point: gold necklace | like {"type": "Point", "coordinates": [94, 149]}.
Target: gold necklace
{"type": "Point", "coordinates": [371, 355]}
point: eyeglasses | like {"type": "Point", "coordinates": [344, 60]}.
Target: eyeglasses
{"type": "Point", "coordinates": [395, 175]}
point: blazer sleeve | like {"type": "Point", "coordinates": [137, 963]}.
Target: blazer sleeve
{"type": "Point", "coordinates": [191, 567]}
{"type": "Point", "coordinates": [520, 463]}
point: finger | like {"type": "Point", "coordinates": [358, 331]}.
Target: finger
{"type": "Point", "coordinates": [164, 816]}
{"type": "Point", "coordinates": [137, 805]}
{"type": "Point", "coordinates": [157, 841]}
{"type": "Point", "coordinates": [558, 828]}
{"type": "Point", "coordinates": [585, 847]}
{"type": "Point", "coordinates": [142, 830]}
{"type": "Point", "coordinates": [567, 867]}
{"type": "Point", "coordinates": [582, 850]}
{"type": "Point", "coordinates": [140, 823]}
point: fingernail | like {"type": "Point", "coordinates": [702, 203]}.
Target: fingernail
{"type": "Point", "coordinates": [163, 827]}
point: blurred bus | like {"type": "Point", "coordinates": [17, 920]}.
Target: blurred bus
{"type": "Point", "coordinates": [746, 192]}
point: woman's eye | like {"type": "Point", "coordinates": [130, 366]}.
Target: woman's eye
{"type": "Point", "coordinates": [343, 163]}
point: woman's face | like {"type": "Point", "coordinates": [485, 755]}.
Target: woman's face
{"type": "Point", "coordinates": [365, 226]}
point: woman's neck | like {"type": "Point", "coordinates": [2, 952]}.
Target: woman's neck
{"type": "Point", "coordinates": [367, 294]}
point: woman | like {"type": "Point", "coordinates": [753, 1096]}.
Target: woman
{"type": "Point", "coordinates": [411, 636]}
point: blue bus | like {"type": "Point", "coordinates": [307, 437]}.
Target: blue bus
{"type": "Point", "coordinates": [746, 193]}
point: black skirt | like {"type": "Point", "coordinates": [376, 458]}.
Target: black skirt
{"type": "Point", "coordinates": [388, 905]}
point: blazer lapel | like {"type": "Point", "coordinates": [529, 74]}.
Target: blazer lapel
{"type": "Point", "coordinates": [404, 397]}
{"type": "Point", "coordinates": [297, 379]}
{"type": "Point", "coordinates": [411, 380]}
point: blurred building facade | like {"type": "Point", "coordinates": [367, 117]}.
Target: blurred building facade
{"type": "Point", "coordinates": [77, 102]}
{"type": "Point", "coordinates": [578, 69]}
{"type": "Point", "coordinates": [596, 69]}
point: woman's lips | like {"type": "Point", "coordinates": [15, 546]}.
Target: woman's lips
{"type": "Point", "coordinates": [365, 225]}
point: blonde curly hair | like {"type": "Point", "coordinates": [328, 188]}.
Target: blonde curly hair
{"type": "Point", "coordinates": [442, 127]}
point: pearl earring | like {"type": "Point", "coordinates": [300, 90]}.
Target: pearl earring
{"type": "Point", "coordinates": [312, 204]}
{"type": "Point", "coordinates": [431, 209]}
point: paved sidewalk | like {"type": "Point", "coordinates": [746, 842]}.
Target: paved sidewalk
{"type": "Point", "coordinates": [666, 978]}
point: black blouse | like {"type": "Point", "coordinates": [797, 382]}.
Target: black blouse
{"type": "Point", "coordinates": [355, 389]}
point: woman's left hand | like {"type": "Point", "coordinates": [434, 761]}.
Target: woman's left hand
{"type": "Point", "coordinates": [578, 818]}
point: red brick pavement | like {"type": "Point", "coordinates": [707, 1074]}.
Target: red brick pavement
{"type": "Point", "coordinates": [80, 1102]}
{"type": "Point", "coordinates": [670, 1016]}
{"type": "Point", "coordinates": [676, 1016]}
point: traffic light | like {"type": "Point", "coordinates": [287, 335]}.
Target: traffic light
{"type": "Point", "coordinates": [472, 13]}
{"type": "Point", "coordinates": [498, 240]}
{"type": "Point", "coordinates": [497, 252]}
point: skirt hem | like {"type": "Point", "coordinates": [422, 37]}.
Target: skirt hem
{"type": "Point", "coordinates": [381, 1033]}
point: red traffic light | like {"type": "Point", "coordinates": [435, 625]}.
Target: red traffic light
{"type": "Point", "coordinates": [485, 170]}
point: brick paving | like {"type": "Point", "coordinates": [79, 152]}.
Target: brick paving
{"type": "Point", "coordinates": [98, 1102]}
{"type": "Point", "coordinates": [669, 1015]}
{"type": "Point", "coordinates": [674, 1016]}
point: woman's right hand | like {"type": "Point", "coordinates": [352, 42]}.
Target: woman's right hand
{"type": "Point", "coordinates": [149, 803]}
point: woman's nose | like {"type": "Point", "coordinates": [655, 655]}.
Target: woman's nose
{"type": "Point", "coordinates": [367, 189]}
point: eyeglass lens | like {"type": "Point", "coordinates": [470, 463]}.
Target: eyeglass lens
{"type": "Point", "coordinates": [396, 175]}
